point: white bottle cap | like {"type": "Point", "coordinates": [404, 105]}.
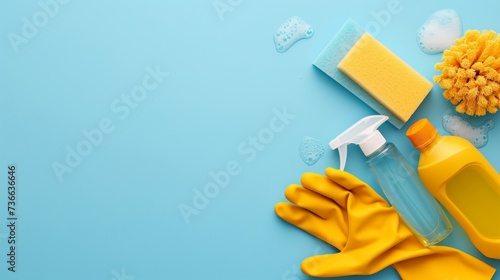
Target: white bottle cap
{"type": "Point", "coordinates": [372, 143]}
{"type": "Point", "coordinates": [363, 133]}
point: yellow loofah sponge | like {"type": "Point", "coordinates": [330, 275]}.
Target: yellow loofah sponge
{"type": "Point", "coordinates": [469, 73]}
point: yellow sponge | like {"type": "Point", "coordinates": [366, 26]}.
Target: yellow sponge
{"type": "Point", "coordinates": [385, 76]}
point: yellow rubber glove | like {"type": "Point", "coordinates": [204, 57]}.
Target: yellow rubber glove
{"type": "Point", "coordinates": [345, 212]}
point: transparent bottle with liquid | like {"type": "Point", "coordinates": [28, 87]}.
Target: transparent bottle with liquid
{"type": "Point", "coordinates": [398, 180]}
{"type": "Point", "coordinates": [462, 179]}
{"type": "Point", "coordinates": [401, 184]}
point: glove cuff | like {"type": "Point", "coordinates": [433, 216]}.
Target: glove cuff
{"type": "Point", "coordinates": [441, 262]}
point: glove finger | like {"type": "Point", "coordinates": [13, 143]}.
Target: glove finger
{"type": "Point", "coordinates": [341, 264]}
{"type": "Point", "coordinates": [332, 233]}
{"type": "Point", "coordinates": [326, 187]}
{"type": "Point", "coordinates": [360, 189]}
{"type": "Point", "coordinates": [316, 203]}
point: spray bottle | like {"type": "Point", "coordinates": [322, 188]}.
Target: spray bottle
{"type": "Point", "coordinates": [397, 178]}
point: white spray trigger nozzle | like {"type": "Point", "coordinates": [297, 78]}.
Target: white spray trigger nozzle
{"type": "Point", "coordinates": [364, 129]}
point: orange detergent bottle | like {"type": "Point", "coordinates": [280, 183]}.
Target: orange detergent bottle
{"type": "Point", "coordinates": [461, 178]}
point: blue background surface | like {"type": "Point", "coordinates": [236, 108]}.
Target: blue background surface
{"type": "Point", "coordinates": [116, 214]}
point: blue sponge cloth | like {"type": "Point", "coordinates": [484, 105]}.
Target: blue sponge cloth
{"type": "Point", "coordinates": [331, 56]}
